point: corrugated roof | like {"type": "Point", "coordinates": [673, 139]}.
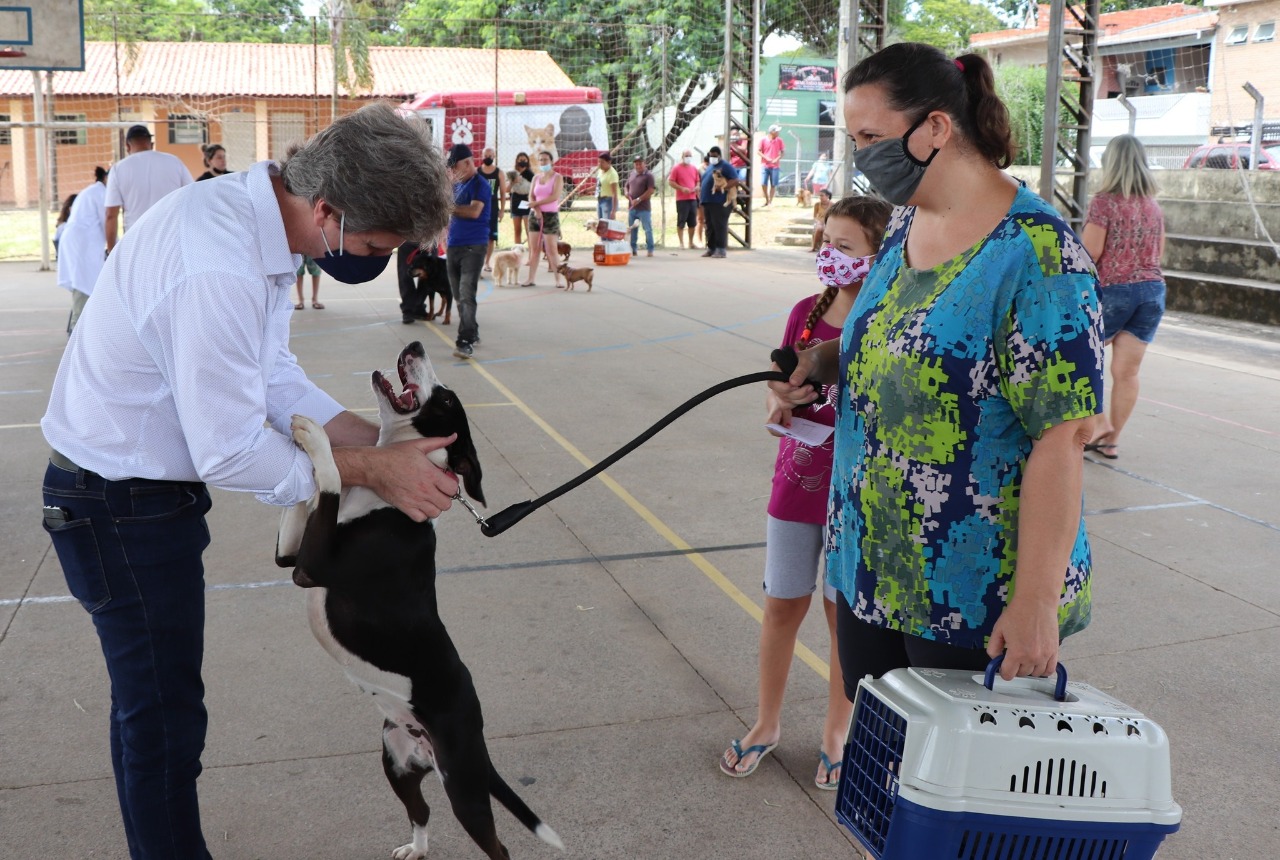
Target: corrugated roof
{"type": "Point", "coordinates": [286, 70]}
{"type": "Point", "coordinates": [1111, 23]}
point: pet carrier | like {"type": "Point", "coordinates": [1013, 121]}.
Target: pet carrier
{"type": "Point", "coordinates": [611, 253]}
{"type": "Point", "coordinates": [952, 764]}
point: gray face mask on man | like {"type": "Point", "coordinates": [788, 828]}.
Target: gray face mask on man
{"type": "Point", "coordinates": [890, 167]}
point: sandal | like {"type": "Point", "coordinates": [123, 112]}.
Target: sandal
{"type": "Point", "coordinates": [299, 307]}
{"type": "Point", "coordinates": [1102, 449]}
{"type": "Point", "coordinates": [760, 750]}
{"type": "Point", "coordinates": [530, 284]}
{"type": "Point", "coordinates": [318, 306]}
{"type": "Point", "coordinates": [833, 773]}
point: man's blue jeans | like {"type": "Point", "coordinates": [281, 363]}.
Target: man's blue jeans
{"type": "Point", "coordinates": [464, 263]}
{"type": "Point", "coordinates": [131, 554]}
{"type": "Point", "coordinates": [604, 207]}
{"type": "Point", "coordinates": [645, 217]}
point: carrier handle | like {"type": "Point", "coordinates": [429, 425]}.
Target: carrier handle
{"type": "Point", "coordinates": [1059, 690]}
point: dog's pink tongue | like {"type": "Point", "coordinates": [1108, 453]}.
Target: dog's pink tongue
{"type": "Point", "coordinates": [407, 399]}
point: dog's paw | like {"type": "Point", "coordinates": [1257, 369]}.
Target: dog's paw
{"type": "Point", "coordinates": [415, 850]}
{"type": "Point", "coordinates": [310, 437]}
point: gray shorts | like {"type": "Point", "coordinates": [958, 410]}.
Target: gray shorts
{"type": "Point", "coordinates": [794, 560]}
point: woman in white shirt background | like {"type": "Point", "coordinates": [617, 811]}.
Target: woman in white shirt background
{"type": "Point", "coordinates": [82, 247]}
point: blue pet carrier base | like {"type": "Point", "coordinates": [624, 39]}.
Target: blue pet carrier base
{"type": "Point", "coordinates": [949, 765]}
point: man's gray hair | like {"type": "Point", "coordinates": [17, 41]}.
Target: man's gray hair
{"type": "Point", "coordinates": [378, 168]}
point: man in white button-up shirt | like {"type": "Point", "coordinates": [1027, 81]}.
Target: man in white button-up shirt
{"type": "Point", "coordinates": [179, 374]}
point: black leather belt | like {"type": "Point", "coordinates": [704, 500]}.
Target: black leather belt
{"type": "Point", "coordinates": [62, 462]}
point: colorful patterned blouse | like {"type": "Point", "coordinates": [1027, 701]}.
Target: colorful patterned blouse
{"type": "Point", "coordinates": [947, 375]}
{"type": "Point", "coordinates": [1135, 226]}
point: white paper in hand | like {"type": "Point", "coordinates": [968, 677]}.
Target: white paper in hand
{"type": "Point", "coordinates": [809, 432]}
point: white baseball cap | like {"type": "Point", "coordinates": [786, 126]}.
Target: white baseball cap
{"type": "Point", "coordinates": [775, 128]}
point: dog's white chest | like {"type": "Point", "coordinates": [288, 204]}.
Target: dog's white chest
{"type": "Point", "coordinates": [379, 683]}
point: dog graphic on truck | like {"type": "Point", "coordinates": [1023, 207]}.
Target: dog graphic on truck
{"type": "Point", "coordinates": [567, 123]}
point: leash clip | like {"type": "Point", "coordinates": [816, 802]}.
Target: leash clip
{"type": "Point", "coordinates": [480, 521]}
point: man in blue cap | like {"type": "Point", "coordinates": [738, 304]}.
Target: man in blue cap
{"type": "Point", "coordinates": [468, 239]}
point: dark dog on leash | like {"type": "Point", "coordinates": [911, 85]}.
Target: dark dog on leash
{"type": "Point", "coordinates": [372, 605]}
{"type": "Point", "coordinates": [423, 275]}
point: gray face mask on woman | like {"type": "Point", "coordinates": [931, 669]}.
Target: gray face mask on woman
{"type": "Point", "coordinates": [890, 167]}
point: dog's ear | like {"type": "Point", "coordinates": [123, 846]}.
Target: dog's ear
{"type": "Point", "coordinates": [466, 465]}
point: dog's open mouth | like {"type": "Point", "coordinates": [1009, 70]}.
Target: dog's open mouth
{"type": "Point", "coordinates": [407, 400]}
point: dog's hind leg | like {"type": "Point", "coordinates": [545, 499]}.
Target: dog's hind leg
{"type": "Point", "coordinates": [405, 767]}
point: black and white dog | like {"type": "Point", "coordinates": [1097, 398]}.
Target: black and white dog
{"type": "Point", "coordinates": [372, 605]}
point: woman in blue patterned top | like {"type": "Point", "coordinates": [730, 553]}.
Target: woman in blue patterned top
{"type": "Point", "coordinates": [969, 372]}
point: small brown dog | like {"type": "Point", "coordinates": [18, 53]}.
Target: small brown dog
{"type": "Point", "coordinates": [564, 249]}
{"type": "Point", "coordinates": [721, 186]}
{"type": "Point", "coordinates": [571, 276]}
{"type": "Point", "coordinates": [804, 197]}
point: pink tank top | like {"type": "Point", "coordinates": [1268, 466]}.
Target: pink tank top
{"type": "Point", "coordinates": [542, 189]}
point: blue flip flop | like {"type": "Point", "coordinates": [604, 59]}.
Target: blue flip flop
{"type": "Point", "coordinates": [761, 750]}
{"type": "Point", "coordinates": [833, 773]}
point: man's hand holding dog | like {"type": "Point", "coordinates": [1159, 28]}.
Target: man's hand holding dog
{"type": "Point", "coordinates": [402, 475]}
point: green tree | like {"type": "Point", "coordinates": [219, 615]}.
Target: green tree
{"type": "Point", "coordinates": [947, 24]}
{"type": "Point", "coordinates": [133, 21]}
{"type": "Point", "coordinates": [1022, 89]}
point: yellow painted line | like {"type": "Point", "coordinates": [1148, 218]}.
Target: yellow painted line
{"type": "Point", "coordinates": [17, 426]}
{"type": "Point", "coordinates": [810, 659]}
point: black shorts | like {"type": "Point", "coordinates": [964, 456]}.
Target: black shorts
{"type": "Point", "coordinates": [516, 211]}
{"type": "Point", "coordinates": [866, 649]}
{"type": "Point", "coordinates": [686, 213]}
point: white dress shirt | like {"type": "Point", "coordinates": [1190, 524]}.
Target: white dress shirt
{"type": "Point", "coordinates": [83, 245]}
{"type": "Point", "coordinates": [183, 355]}
{"type": "Point", "coordinates": [139, 181]}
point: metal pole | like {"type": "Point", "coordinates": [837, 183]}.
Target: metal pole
{"type": "Point", "coordinates": [757, 7]}
{"type": "Point", "coordinates": [42, 170]}
{"type": "Point", "coordinates": [1052, 93]}
{"type": "Point", "coordinates": [842, 153]}
{"type": "Point", "coordinates": [662, 208]}
{"type": "Point", "coordinates": [1255, 133]}
{"type": "Point", "coordinates": [728, 77]}
{"type": "Point", "coordinates": [1133, 112]}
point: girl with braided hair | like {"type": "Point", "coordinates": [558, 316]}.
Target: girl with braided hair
{"type": "Point", "coordinates": [797, 509]}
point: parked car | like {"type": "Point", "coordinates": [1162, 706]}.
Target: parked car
{"type": "Point", "coordinates": [1233, 156]}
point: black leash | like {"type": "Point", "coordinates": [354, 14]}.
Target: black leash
{"type": "Point", "coordinates": [509, 516]}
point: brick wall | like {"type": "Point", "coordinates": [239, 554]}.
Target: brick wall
{"type": "Point", "coordinates": [264, 126]}
{"type": "Point", "coordinates": [1255, 62]}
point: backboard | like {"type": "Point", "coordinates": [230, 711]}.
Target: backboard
{"type": "Point", "coordinates": [42, 34]}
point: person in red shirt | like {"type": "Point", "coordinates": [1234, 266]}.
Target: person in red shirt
{"type": "Point", "coordinates": [684, 178]}
{"type": "Point", "coordinates": [771, 148]}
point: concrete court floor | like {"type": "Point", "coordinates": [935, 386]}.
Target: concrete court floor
{"type": "Point", "coordinates": [613, 634]}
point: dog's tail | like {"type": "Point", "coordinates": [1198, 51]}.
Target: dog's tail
{"type": "Point", "coordinates": [526, 816]}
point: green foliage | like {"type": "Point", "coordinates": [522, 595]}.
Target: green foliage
{"type": "Point", "coordinates": [947, 24]}
{"type": "Point", "coordinates": [1022, 89]}
{"type": "Point", "coordinates": [133, 21]}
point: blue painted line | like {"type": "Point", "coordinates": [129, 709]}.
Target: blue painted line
{"type": "Point", "coordinates": [597, 349]}
{"type": "Point", "coordinates": [534, 357]}
{"type": "Point", "coordinates": [668, 337]}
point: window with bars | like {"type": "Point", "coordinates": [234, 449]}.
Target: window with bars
{"type": "Point", "coordinates": [70, 136]}
{"type": "Point", "coordinates": [6, 134]}
{"type": "Point", "coordinates": [187, 129]}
